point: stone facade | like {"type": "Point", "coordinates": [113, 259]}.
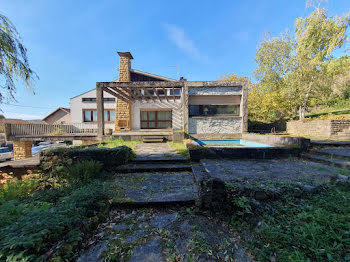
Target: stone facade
{"type": "Point", "coordinates": [123, 109]}
{"type": "Point", "coordinates": [22, 149]}
{"type": "Point", "coordinates": [322, 129]}
{"type": "Point", "coordinates": [218, 125]}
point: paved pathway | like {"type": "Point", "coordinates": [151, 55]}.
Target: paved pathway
{"type": "Point", "coordinates": [156, 187]}
{"type": "Point", "coordinates": [156, 151]}
{"type": "Point", "coordinates": [169, 234]}
{"type": "Point", "coordinates": [28, 162]}
{"type": "Point", "coordinates": [270, 170]}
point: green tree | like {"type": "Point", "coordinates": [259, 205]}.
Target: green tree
{"type": "Point", "coordinates": [14, 62]}
{"type": "Point", "coordinates": [297, 68]}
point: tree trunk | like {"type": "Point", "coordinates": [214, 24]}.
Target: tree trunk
{"type": "Point", "coordinates": [302, 112]}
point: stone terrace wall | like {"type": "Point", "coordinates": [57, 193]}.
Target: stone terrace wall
{"type": "Point", "coordinates": [323, 129]}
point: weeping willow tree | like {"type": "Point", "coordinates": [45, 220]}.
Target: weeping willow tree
{"type": "Point", "coordinates": [14, 64]}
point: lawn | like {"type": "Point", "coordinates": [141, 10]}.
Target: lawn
{"type": "Point", "coordinates": [120, 142]}
{"type": "Point", "coordinates": [316, 228]}
{"type": "Point", "coordinates": [180, 148]}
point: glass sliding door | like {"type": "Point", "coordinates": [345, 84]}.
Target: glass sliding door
{"type": "Point", "coordinates": [156, 119]}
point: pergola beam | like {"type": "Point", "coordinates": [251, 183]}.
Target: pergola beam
{"type": "Point", "coordinates": [115, 94]}
{"type": "Point", "coordinates": [148, 93]}
{"type": "Point", "coordinates": [120, 92]}
{"type": "Point", "coordinates": [156, 92]}
{"type": "Point", "coordinates": [166, 97]}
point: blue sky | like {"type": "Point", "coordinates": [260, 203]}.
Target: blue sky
{"type": "Point", "coordinates": [73, 44]}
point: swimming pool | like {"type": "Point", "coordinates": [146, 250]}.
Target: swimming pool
{"type": "Point", "coordinates": [231, 143]}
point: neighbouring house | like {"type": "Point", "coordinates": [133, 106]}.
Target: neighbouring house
{"type": "Point", "coordinates": [60, 116]}
{"type": "Point", "coordinates": [141, 102]}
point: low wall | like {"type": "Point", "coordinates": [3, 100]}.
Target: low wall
{"type": "Point", "coordinates": [322, 129]}
{"type": "Point", "coordinates": [197, 153]}
{"type": "Point", "coordinates": [304, 143]}
{"type": "Point", "coordinates": [111, 158]}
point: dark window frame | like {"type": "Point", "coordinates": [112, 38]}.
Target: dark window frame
{"type": "Point", "coordinates": [93, 99]}
{"type": "Point", "coordinates": [156, 120]}
{"type": "Point", "coordinates": [201, 109]}
{"type": "Point", "coordinates": [95, 120]}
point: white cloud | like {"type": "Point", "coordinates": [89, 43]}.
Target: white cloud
{"type": "Point", "coordinates": [177, 36]}
{"type": "Point", "coordinates": [22, 116]}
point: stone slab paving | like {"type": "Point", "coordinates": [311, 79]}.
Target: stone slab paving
{"type": "Point", "coordinates": [338, 151]}
{"type": "Point", "coordinates": [164, 234]}
{"type": "Point", "coordinates": [153, 187]}
{"type": "Point", "coordinates": [272, 170]}
{"type": "Point", "coordinates": [156, 151]}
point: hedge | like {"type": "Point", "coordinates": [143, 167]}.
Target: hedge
{"type": "Point", "coordinates": [109, 157]}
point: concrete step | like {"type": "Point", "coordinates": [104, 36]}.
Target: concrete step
{"type": "Point", "coordinates": [174, 160]}
{"type": "Point", "coordinates": [154, 167]}
{"type": "Point", "coordinates": [153, 139]}
{"type": "Point", "coordinates": [342, 163]}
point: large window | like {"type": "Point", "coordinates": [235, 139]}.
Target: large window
{"type": "Point", "coordinates": [90, 115]}
{"type": "Point", "coordinates": [213, 110]}
{"type": "Point", "coordinates": [156, 119]}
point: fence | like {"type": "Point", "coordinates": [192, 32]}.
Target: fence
{"type": "Point", "coordinates": [33, 129]}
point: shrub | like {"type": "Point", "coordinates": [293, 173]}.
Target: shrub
{"type": "Point", "coordinates": [83, 172]}
{"type": "Point", "coordinates": [33, 227]}
{"type": "Point", "coordinates": [19, 189]}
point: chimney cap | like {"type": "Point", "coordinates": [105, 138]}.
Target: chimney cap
{"type": "Point", "coordinates": [125, 54]}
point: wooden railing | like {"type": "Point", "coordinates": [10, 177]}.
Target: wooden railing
{"type": "Point", "coordinates": [34, 129]}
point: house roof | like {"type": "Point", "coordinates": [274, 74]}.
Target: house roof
{"type": "Point", "coordinates": [152, 75]}
{"type": "Point", "coordinates": [64, 109]}
{"type": "Point", "coordinates": [163, 78]}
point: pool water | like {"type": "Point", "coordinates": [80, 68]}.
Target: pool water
{"type": "Point", "coordinates": [231, 143]}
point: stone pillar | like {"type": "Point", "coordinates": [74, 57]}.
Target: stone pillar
{"type": "Point", "coordinates": [244, 107]}
{"type": "Point", "coordinates": [123, 109]}
{"type": "Point", "coordinates": [22, 149]}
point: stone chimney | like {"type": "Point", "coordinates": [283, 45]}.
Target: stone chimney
{"type": "Point", "coordinates": [123, 109]}
{"type": "Point", "coordinates": [124, 66]}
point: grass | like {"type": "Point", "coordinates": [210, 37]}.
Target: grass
{"type": "Point", "coordinates": [120, 142]}
{"type": "Point", "coordinates": [316, 228]}
{"type": "Point", "coordinates": [180, 148]}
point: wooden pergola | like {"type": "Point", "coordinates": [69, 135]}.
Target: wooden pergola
{"type": "Point", "coordinates": [135, 91]}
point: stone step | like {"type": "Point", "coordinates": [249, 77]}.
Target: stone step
{"type": "Point", "coordinates": [321, 143]}
{"type": "Point", "coordinates": [154, 167]}
{"type": "Point", "coordinates": [173, 160]}
{"type": "Point", "coordinates": [345, 164]}
{"type": "Point", "coordinates": [153, 139]}
{"type": "Point", "coordinates": [331, 153]}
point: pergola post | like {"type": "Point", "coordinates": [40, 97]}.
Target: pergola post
{"type": "Point", "coordinates": [100, 111]}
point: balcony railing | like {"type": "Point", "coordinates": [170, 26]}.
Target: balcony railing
{"type": "Point", "coordinates": [37, 129]}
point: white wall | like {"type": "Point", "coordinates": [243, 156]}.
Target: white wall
{"type": "Point", "coordinates": [176, 108]}
{"type": "Point", "coordinates": [77, 106]}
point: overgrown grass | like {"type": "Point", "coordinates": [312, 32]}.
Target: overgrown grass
{"type": "Point", "coordinates": [120, 142]}
{"type": "Point", "coordinates": [313, 229]}
{"type": "Point", "coordinates": [180, 148]}
{"type": "Point", "coordinates": [47, 218]}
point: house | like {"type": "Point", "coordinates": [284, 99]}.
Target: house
{"type": "Point", "coordinates": [143, 102]}
{"type": "Point", "coordinates": [60, 116]}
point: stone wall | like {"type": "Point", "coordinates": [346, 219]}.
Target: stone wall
{"type": "Point", "coordinates": [22, 149]}
{"type": "Point", "coordinates": [218, 125]}
{"type": "Point", "coordinates": [322, 129]}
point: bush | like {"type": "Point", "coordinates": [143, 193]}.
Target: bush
{"type": "Point", "coordinates": [83, 172]}
{"type": "Point", "coordinates": [30, 228]}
